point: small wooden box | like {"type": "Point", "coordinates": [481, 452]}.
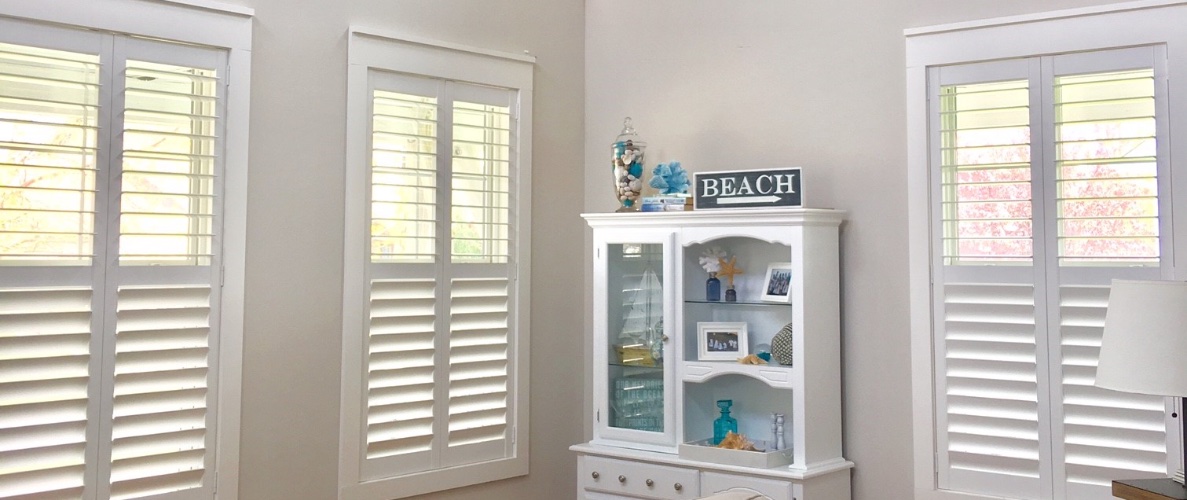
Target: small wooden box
{"type": "Point", "coordinates": [634, 355]}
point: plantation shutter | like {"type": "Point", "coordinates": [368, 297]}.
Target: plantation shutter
{"type": "Point", "coordinates": [165, 285]}
{"type": "Point", "coordinates": [49, 140]}
{"type": "Point", "coordinates": [440, 275]}
{"type": "Point", "coordinates": [1047, 188]}
{"type": "Point", "coordinates": [106, 387]}
{"type": "Point", "coordinates": [1107, 434]}
{"type": "Point", "coordinates": [403, 310]}
{"type": "Point", "coordinates": [1104, 121]}
{"type": "Point", "coordinates": [481, 274]}
{"type": "Point", "coordinates": [45, 352]}
{"type": "Point", "coordinates": [990, 390]}
{"type": "Point", "coordinates": [989, 394]}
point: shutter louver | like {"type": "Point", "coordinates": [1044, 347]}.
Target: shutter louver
{"type": "Point", "coordinates": [48, 142]}
{"type": "Point", "coordinates": [478, 362]}
{"type": "Point", "coordinates": [44, 367]}
{"type": "Point", "coordinates": [403, 178]}
{"type": "Point", "coordinates": [400, 367]}
{"type": "Point", "coordinates": [1108, 434]}
{"type": "Point", "coordinates": [167, 203]}
{"type": "Point", "coordinates": [1107, 190]}
{"type": "Point", "coordinates": [161, 370]}
{"type": "Point", "coordinates": [991, 387]}
{"type": "Point", "coordinates": [985, 170]}
{"type": "Point", "coordinates": [481, 183]}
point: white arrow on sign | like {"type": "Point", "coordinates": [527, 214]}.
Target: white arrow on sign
{"type": "Point", "coordinates": [747, 199]}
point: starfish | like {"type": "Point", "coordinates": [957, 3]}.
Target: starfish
{"type": "Point", "coordinates": [729, 269]}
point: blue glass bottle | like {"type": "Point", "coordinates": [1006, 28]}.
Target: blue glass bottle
{"type": "Point", "coordinates": [713, 288]}
{"type": "Point", "coordinates": [725, 423]}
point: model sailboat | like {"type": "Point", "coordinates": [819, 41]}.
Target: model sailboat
{"type": "Point", "coordinates": [643, 317]}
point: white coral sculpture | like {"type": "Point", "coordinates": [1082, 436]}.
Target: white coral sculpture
{"type": "Point", "coordinates": [711, 259]}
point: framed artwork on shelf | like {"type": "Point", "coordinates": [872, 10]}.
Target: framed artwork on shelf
{"type": "Point", "coordinates": [721, 341]}
{"type": "Point", "coordinates": [777, 285]}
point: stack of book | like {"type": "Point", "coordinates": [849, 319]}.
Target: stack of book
{"type": "Point", "coordinates": [667, 203]}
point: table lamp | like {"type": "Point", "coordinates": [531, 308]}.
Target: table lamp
{"type": "Point", "coordinates": [1144, 347]}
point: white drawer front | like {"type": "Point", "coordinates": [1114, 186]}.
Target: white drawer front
{"type": "Point", "coordinates": [716, 482]}
{"type": "Point", "coordinates": [622, 477]}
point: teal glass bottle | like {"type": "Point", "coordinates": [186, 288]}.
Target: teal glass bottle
{"type": "Point", "coordinates": [725, 423]}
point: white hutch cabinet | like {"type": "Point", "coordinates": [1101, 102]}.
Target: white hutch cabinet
{"type": "Point", "coordinates": [653, 392]}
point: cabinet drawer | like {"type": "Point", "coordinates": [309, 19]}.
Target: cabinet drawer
{"type": "Point", "coordinates": [716, 482]}
{"type": "Point", "coordinates": [623, 477]}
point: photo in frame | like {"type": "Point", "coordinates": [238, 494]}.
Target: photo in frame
{"type": "Point", "coordinates": [721, 341]}
{"type": "Point", "coordinates": [777, 285]}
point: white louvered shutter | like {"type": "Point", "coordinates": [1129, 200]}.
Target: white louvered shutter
{"type": "Point", "coordinates": [478, 369]}
{"type": "Point", "coordinates": [161, 372]}
{"type": "Point", "coordinates": [1107, 434]}
{"type": "Point", "coordinates": [985, 168]}
{"type": "Point", "coordinates": [480, 274]}
{"type": "Point", "coordinates": [403, 309]}
{"type": "Point", "coordinates": [166, 281]}
{"type": "Point", "coordinates": [439, 276]}
{"type": "Point", "coordinates": [106, 387]}
{"type": "Point", "coordinates": [49, 119]}
{"type": "Point", "coordinates": [1047, 188]}
{"type": "Point", "coordinates": [1104, 122]}
{"type": "Point", "coordinates": [44, 358]}
{"type": "Point", "coordinates": [401, 368]}
{"type": "Point", "coordinates": [989, 411]}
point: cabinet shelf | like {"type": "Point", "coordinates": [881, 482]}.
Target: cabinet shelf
{"type": "Point", "coordinates": [737, 304]}
{"type": "Point", "coordinates": [659, 367]}
{"type": "Point", "coordinates": [776, 376]}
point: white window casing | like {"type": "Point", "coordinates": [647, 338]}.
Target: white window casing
{"type": "Point", "coordinates": [1006, 316]}
{"type": "Point", "coordinates": [436, 272]}
{"type": "Point", "coordinates": [123, 164]}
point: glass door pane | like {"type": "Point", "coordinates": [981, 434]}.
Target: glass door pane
{"type": "Point", "coordinates": [635, 306]}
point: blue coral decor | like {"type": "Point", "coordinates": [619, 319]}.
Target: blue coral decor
{"type": "Point", "coordinates": [670, 178]}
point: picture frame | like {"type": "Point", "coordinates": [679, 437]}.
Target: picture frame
{"type": "Point", "coordinates": [721, 341]}
{"type": "Point", "coordinates": [777, 285]}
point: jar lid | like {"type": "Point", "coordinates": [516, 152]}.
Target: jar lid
{"type": "Point", "coordinates": [629, 134]}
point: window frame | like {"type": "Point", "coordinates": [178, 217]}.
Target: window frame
{"type": "Point", "coordinates": [1084, 29]}
{"type": "Point", "coordinates": [375, 50]}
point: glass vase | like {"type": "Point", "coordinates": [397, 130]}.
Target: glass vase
{"type": "Point", "coordinates": [627, 166]}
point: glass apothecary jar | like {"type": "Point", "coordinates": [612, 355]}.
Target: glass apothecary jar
{"type": "Point", "coordinates": [627, 165]}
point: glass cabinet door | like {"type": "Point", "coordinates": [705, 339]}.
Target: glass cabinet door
{"type": "Point", "coordinates": [635, 314]}
{"type": "Point", "coordinates": [635, 370]}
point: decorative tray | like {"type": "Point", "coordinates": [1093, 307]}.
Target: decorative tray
{"type": "Point", "coordinates": [705, 452]}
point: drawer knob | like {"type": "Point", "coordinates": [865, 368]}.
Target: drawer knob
{"type": "Point", "coordinates": [650, 483]}
{"type": "Point", "coordinates": [622, 479]}
{"type": "Point", "coordinates": [596, 475]}
{"type": "Point", "coordinates": [678, 487]}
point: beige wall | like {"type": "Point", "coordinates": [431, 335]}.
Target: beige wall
{"type": "Point", "coordinates": [294, 268]}
{"type": "Point", "coordinates": [819, 85]}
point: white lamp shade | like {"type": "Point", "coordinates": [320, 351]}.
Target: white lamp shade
{"type": "Point", "coordinates": [1144, 349]}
